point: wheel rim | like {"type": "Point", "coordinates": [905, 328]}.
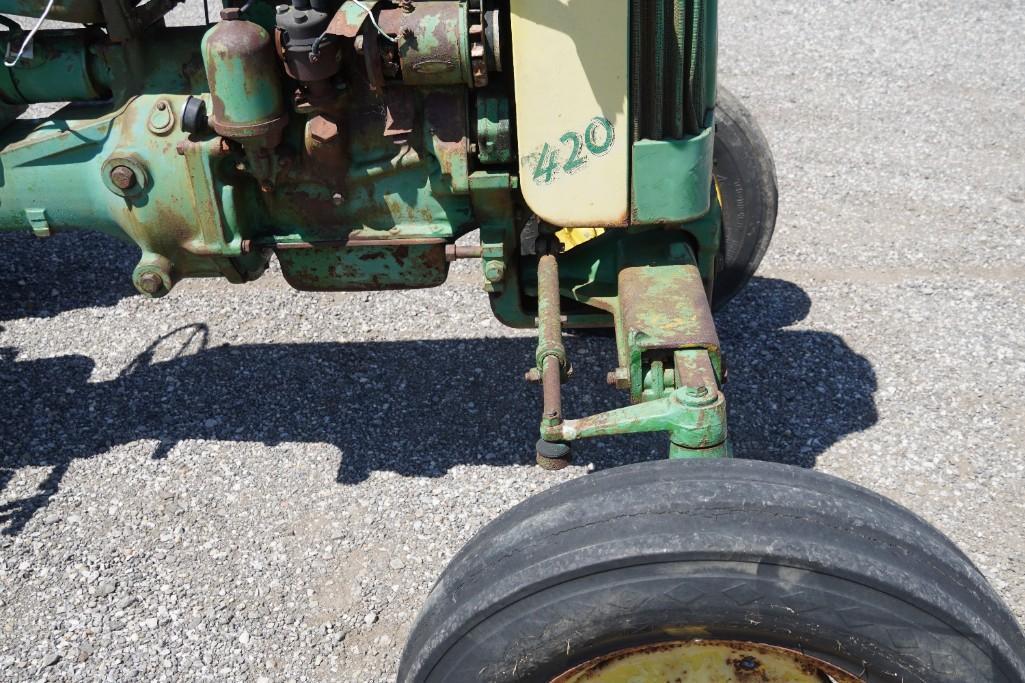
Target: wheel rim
{"type": "Point", "coordinates": [707, 661]}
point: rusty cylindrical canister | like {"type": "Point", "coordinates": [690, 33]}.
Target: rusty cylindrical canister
{"type": "Point", "coordinates": [245, 81]}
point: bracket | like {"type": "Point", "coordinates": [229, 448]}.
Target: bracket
{"type": "Point", "coordinates": [669, 357]}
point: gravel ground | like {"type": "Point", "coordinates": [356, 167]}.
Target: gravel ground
{"type": "Point", "coordinates": [257, 484]}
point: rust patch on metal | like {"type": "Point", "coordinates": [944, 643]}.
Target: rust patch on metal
{"type": "Point", "coordinates": [704, 661]}
{"type": "Point", "coordinates": [666, 307]}
{"type": "Point", "coordinates": [364, 265]}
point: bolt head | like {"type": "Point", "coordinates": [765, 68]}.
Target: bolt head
{"type": "Point", "coordinates": [494, 271]}
{"type": "Point", "coordinates": [122, 177]}
{"type": "Point", "coordinates": [533, 375]}
{"type": "Point", "coordinates": [619, 378]}
{"type": "Point", "coordinates": [323, 130]}
{"type": "Point", "coordinates": [699, 397]}
{"type": "Point", "coordinates": [150, 283]}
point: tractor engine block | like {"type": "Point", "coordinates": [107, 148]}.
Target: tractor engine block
{"type": "Point", "coordinates": [339, 135]}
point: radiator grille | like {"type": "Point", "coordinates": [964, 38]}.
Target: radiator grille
{"type": "Point", "coordinates": [667, 80]}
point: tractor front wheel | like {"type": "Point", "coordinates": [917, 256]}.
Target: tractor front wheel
{"type": "Point", "coordinates": [700, 571]}
{"type": "Point", "coordinates": [745, 180]}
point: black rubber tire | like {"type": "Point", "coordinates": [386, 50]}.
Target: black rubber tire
{"type": "Point", "coordinates": [745, 550]}
{"type": "Point", "coordinates": [746, 176]}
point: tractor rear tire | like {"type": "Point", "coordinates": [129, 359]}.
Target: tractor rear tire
{"type": "Point", "coordinates": [772, 560]}
{"type": "Point", "coordinates": [746, 180]}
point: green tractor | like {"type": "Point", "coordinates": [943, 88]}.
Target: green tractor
{"type": "Point", "coordinates": [614, 186]}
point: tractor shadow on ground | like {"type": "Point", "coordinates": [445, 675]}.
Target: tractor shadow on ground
{"type": "Point", "coordinates": [792, 393]}
{"type": "Point", "coordinates": [42, 278]}
{"type": "Point", "coordinates": [417, 408]}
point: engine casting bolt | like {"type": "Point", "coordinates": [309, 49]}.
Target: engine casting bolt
{"type": "Point", "coordinates": [337, 199]}
{"type": "Point", "coordinates": [123, 177]}
{"type": "Point", "coordinates": [494, 271]}
{"type": "Point", "coordinates": [150, 283]}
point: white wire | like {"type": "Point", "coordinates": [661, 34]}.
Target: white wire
{"type": "Point", "coordinates": [373, 21]}
{"type": "Point", "coordinates": [28, 38]}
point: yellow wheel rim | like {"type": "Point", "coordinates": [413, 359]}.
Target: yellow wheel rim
{"type": "Point", "coordinates": [706, 661]}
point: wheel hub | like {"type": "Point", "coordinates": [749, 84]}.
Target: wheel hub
{"type": "Point", "coordinates": [706, 661]}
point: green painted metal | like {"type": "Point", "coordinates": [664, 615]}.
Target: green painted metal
{"type": "Point", "coordinates": [365, 265]}
{"type": "Point", "coordinates": [245, 87]}
{"type": "Point", "coordinates": [711, 55]}
{"type": "Point", "coordinates": [672, 179]}
{"type": "Point", "coordinates": [434, 46]}
{"type": "Point", "coordinates": [79, 11]}
{"type": "Point", "coordinates": [352, 15]}
{"type": "Point", "coordinates": [494, 129]}
{"type": "Point", "coordinates": [669, 353]}
{"type": "Point", "coordinates": [695, 422]}
{"type": "Point", "coordinates": [673, 45]}
{"type": "Point", "coordinates": [365, 187]}
{"type": "Point", "coordinates": [673, 95]}
{"type": "Point", "coordinates": [60, 68]}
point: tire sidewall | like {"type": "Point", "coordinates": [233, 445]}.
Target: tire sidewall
{"type": "Point", "coordinates": [746, 182]}
{"type": "Point", "coordinates": [545, 634]}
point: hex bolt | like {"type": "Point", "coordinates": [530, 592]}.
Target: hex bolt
{"type": "Point", "coordinates": [494, 271]}
{"type": "Point", "coordinates": [122, 177]}
{"type": "Point", "coordinates": [151, 283]}
{"type": "Point", "coordinates": [533, 376]}
{"type": "Point", "coordinates": [699, 397]}
{"type": "Point", "coordinates": [619, 378]}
